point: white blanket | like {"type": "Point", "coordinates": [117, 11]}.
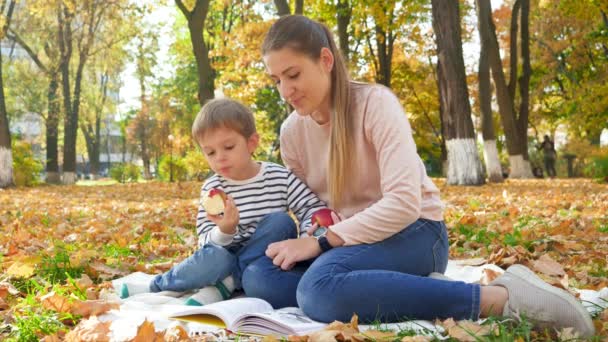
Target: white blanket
{"type": "Point", "coordinates": [157, 307]}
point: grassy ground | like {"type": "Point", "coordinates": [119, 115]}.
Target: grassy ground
{"type": "Point", "coordinates": [56, 236]}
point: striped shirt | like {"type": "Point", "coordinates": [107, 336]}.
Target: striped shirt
{"type": "Point", "coordinates": [273, 189]}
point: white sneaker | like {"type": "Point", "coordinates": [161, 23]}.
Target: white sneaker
{"type": "Point", "coordinates": [213, 293]}
{"type": "Point", "coordinates": [133, 284]}
{"type": "Point", "coordinates": [541, 303]}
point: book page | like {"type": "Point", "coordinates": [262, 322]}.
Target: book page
{"type": "Point", "coordinates": [285, 321]}
{"type": "Point", "coordinates": [223, 313]}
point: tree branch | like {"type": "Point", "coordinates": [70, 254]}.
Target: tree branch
{"type": "Point", "coordinates": [183, 8]}
{"type": "Point", "coordinates": [15, 37]}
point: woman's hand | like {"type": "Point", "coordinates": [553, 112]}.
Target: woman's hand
{"type": "Point", "coordinates": [227, 221]}
{"type": "Point", "coordinates": [286, 253]}
{"type": "Point", "coordinates": [335, 218]}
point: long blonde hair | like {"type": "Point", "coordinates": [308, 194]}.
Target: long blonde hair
{"type": "Point", "coordinates": [308, 37]}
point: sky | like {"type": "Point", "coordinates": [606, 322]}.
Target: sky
{"type": "Point", "coordinates": [129, 91]}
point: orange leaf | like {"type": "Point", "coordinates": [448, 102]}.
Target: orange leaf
{"type": "Point", "coordinates": [56, 302]}
{"type": "Point", "coordinates": [90, 330]}
{"type": "Point", "coordinates": [467, 331]}
{"type": "Point", "coordinates": [545, 264]}
{"type": "Point", "coordinates": [93, 307]}
{"type": "Point", "coordinates": [146, 333]}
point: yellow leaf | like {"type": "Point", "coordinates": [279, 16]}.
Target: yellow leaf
{"type": "Point", "coordinates": [21, 269]}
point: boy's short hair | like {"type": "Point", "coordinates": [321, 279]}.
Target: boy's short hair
{"type": "Point", "coordinates": [223, 112]}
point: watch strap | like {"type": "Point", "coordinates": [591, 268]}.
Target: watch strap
{"type": "Point", "coordinates": [324, 244]}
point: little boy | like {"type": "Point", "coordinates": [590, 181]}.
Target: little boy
{"type": "Point", "coordinates": [259, 194]}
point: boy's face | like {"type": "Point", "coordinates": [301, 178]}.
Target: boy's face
{"type": "Point", "coordinates": [229, 153]}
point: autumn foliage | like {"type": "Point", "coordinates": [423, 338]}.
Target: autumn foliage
{"type": "Point", "coordinates": [61, 245]}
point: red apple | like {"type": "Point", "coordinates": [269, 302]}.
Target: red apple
{"type": "Point", "coordinates": [213, 201]}
{"type": "Point", "coordinates": [322, 217]}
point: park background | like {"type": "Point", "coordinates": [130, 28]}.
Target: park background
{"type": "Point", "coordinates": [99, 93]}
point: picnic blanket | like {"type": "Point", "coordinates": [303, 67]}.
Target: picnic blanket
{"type": "Point", "coordinates": [157, 307]}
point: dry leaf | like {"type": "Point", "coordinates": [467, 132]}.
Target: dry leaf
{"type": "Point", "coordinates": [270, 338]}
{"type": "Point", "coordinates": [545, 264]}
{"type": "Point", "coordinates": [90, 330]}
{"type": "Point", "coordinates": [295, 338]}
{"type": "Point", "coordinates": [418, 338]}
{"type": "Point", "coordinates": [93, 307]}
{"type": "Point", "coordinates": [323, 336]}
{"type": "Point", "coordinates": [3, 305]}
{"type": "Point", "coordinates": [21, 269]}
{"type": "Point", "coordinates": [56, 302]}
{"type": "Point", "coordinates": [147, 333]}
{"type": "Point", "coordinates": [567, 334]}
{"type": "Point", "coordinates": [465, 330]}
{"type": "Point", "coordinates": [84, 281]}
{"type": "Point", "coordinates": [488, 276]}
{"type": "Point", "coordinates": [176, 333]}
{"type": "Point", "coordinates": [374, 335]}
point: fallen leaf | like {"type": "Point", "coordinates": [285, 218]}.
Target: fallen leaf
{"type": "Point", "coordinates": [545, 264]}
{"type": "Point", "coordinates": [56, 302]}
{"type": "Point", "coordinates": [465, 330]}
{"type": "Point", "coordinates": [3, 305]}
{"type": "Point", "coordinates": [90, 330]}
{"type": "Point", "coordinates": [374, 335]}
{"type": "Point", "coordinates": [417, 338]}
{"type": "Point", "coordinates": [176, 333]}
{"type": "Point", "coordinates": [323, 336]}
{"type": "Point", "coordinates": [567, 334]}
{"type": "Point", "coordinates": [21, 269]}
{"type": "Point", "coordinates": [147, 333]}
{"type": "Point", "coordinates": [488, 276]}
{"type": "Point", "coordinates": [93, 307]}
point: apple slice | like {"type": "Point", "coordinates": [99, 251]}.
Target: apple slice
{"type": "Point", "coordinates": [213, 201]}
{"type": "Point", "coordinates": [322, 217]}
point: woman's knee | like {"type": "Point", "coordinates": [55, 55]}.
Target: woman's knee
{"type": "Point", "coordinates": [261, 280]}
{"type": "Point", "coordinates": [315, 298]}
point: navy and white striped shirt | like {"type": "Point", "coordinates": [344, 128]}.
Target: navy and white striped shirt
{"type": "Point", "coordinates": [273, 189]}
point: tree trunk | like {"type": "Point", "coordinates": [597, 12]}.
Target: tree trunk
{"type": "Point", "coordinates": [282, 7]}
{"type": "Point", "coordinates": [196, 22]}
{"type": "Point", "coordinates": [6, 152]}
{"type": "Point", "coordinates": [299, 7]}
{"type": "Point", "coordinates": [343, 12]}
{"type": "Point", "coordinates": [515, 144]}
{"type": "Point", "coordinates": [52, 129]}
{"type": "Point", "coordinates": [69, 136]}
{"type": "Point", "coordinates": [512, 47]}
{"type": "Point", "coordinates": [384, 46]}
{"type": "Point", "coordinates": [524, 81]}
{"type": "Point", "coordinates": [493, 168]}
{"type": "Point", "coordinates": [464, 166]}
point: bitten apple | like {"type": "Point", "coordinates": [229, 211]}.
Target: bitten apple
{"type": "Point", "coordinates": [322, 217]}
{"type": "Point", "coordinates": [213, 201]}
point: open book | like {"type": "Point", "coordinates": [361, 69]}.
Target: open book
{"type": "Point", "coordinates": [252, 316]}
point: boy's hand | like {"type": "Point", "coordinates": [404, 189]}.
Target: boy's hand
{"type": "Point", "coordinates": [227, 221]}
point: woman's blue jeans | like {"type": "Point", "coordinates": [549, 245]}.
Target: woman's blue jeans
{"type": "Point", "coordinates": [211, 263]}
{"type": "Point", "coordinates": [384, 281]}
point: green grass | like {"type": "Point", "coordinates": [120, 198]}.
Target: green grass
{"type": "Point", "coordinates": [57, 268]}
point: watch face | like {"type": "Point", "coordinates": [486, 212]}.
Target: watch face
{"type": "Point", "coordinates": [319, 231]}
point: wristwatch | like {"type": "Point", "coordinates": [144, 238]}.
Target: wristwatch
{"type": "Point", "coordinates": [321, 235]}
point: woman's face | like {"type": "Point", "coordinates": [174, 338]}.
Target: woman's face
{"type": "Point", "coordinates": [303, 82]}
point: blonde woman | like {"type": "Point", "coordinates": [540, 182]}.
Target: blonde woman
{"type": "Point", "coordinates": [351, 144]}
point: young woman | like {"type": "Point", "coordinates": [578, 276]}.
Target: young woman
{"type": "Point", "coordinates": [351, 143]}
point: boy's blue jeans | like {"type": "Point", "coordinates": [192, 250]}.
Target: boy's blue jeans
{"type": "Point", "coordinates": [384, 281]}
{"type": "Point", "coordinates": [211, 264]}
